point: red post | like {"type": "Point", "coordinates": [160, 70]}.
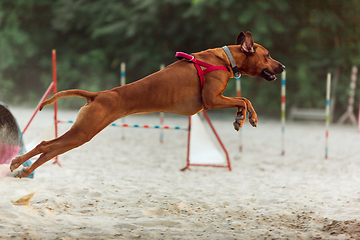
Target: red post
{"type": "Point", "coordinates": [55, 104]}
{"type": "Point", "coordinates": [37, 107]}
{"type": "Point", "coordinates": [218, 138]}
{"type": "Point", "coordinates": [188, 148]}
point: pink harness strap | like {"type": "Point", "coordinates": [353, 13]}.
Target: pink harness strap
{"type": "Point", "coordinates": [198, 64]}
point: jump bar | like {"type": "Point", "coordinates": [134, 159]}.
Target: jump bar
{"type": "Point", "coordinates": [140, 126]}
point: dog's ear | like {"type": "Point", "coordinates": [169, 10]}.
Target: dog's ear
{"type": "Point", "coordinates": [240, 39]}
{"type": "Point", "coordinates": [246, 42]}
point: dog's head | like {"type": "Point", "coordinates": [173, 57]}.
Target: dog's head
{"type": "Point", "coordinates": [258, 61]}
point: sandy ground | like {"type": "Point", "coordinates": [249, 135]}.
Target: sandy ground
{"type": "Point", "coordinates": [133, 189]}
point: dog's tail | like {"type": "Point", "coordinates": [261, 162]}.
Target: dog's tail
{"type": "Point", "coordinates": [89, 96]}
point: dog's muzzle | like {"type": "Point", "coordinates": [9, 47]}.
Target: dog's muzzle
{"type": "Point", "coordinates": [269, 75]}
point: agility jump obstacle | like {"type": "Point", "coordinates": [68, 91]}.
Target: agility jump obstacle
{"type": "Point", "coordinates": [122, 83]}
{"type": "Point", "coordinates": [218, 162]}
{"type": "Point", "coordinates": [327, 112]}
{"type": "Point", "coordinates": [190, 161]}
{"type": "Point", "coordinates": [53, 88]}
{"type": "Point", "coordinates": [132, 125]}
{"type": "Point", "coordinates": [349, 114]}
{"type": "Point", "coordinates": [213, 158]}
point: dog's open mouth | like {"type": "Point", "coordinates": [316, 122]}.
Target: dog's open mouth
{"type": "Point", "coordinates": [265, 73]}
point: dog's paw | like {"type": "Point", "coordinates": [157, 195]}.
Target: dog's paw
{"type": "Point", "coordinates": [15, 163]}
{"type": "Point", "coordinates": [239, 119]}
{"type": "Point", "coordinates": [253, 118]}
{"type": "Point", "coordinates": [23, 173]}
{"type": "Point", "coordinates": [237, 125]}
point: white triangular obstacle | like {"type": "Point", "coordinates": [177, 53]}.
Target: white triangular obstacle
{"type": "Point", "coordinates": [202, 150]}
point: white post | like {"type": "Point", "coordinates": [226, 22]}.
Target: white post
{"type": "Point", "coordinates": [238, 94]}
{"type": "Point", "coordinates": [283, 98]}
{"type": "Point", "coordinates": [162, 115]}
{"type": "Point", "coordinates": [327, 112]}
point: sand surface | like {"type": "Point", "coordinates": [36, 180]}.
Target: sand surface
{"type": "Point", "coordinates": [111, 188]}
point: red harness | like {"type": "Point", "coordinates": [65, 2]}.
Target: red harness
{"type": "Point", "coordinates": [197, 63]}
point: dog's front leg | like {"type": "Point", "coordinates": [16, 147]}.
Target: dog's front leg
{"type": "Point", "coordinates": [212, 98]}
{"type": "Point", "coordinates": [241, 115]}
{"type": "Point", "coordinates": [239, 118]}
{"type": "Point", "coordinates": [243, 105]}
{"type": "Point", "coordinates": [252, 114]}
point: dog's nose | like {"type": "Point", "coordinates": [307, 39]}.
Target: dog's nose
{"type": "Point", "coordinates": [280, 68]}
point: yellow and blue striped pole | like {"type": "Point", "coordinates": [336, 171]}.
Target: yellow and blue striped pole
{"type": "Point", "coordinates": [283, 98]}
{"type": "Point", "coordinates": [122, 74]}
{"type": "Point", "coordinates": [327, 112]}
{"type": "Point", "coordinates": [122, 83]}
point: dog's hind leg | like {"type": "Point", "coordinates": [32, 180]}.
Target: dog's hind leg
{"type": "Point", "coordinates": [90, 121]}
{"type": "Point", "coordinates": [16, 162]}
{"type": "Point", "coordinates": [50, 149]}
{"type": "Point", "coordinates": [43, 159]}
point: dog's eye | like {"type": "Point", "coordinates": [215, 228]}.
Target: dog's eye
{"type": "Point", "coordinates": [268, 56]}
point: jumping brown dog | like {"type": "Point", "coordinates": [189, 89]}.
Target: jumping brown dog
{"type": "Point", "coordinates": [175, 89]}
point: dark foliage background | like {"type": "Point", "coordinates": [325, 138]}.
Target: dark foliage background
{"type": "Point", "coordinates": [92, 38]}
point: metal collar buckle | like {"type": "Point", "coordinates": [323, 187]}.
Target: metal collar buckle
{"type": "Point", "coordinates": [237, 76]}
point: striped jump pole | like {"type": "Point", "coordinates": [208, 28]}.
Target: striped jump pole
{"type": "Point", "coordinates": [283, 99]}
{"type": "Point", "coordinates": [55, 104]}
{"type": "Point", "coordinates": [149, 126]}
{"type": "Point", "coordinates": [327, 112]}
{"type": "Point", "coordinates": [238, 94]}
{"type": "Point", "coordinates": [122, 83]}
{"type": "Point", "coordinates": [122, 74]}
{"type": "Point", "coordinates": [48, 91]}
{"type": "Point", "coordinates": [162, 115]}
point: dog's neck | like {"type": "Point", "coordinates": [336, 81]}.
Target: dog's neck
{"type": "Point", "coordinates": [238, 56]}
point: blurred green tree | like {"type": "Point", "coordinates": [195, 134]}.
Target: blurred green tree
{"type": "Point", "coordinates": [92, 38]}
{"type": "Point", "coordinates": [19, 27]}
